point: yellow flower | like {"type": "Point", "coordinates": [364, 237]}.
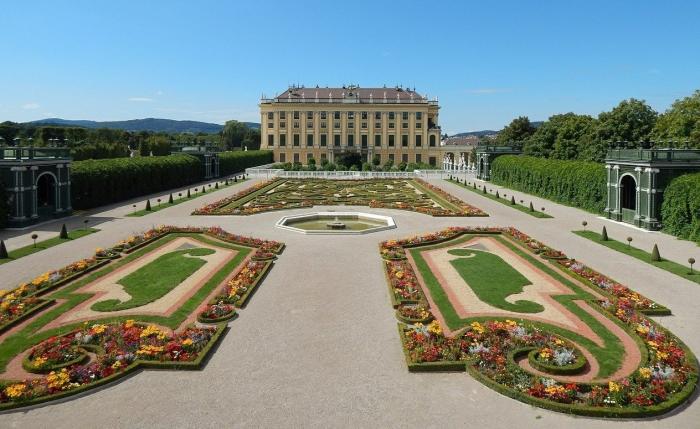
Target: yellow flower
{"type": "Point", "coordinates": [129, 323]}
{"type": "Point", "coordinates": [187, 342]}
{"type": "Point", "coordinates": [545, 353]}
{"type": "Point", "coordinates": [38, 361]}
{"type": "Point", "coordinates": [642, 329]}
{"type": "Point", "coordinates": [14, 391]}
{"type": "Point", "coordinates": [399, 275]}
{"type": "Point", "coordinates": [476, 327]}
{"type": "Point", "coordinates": [98, 329]}
{"type": "Point", "coordinates": [117, 365]}
{"type": "Point", "coordinates": [645, 373]}
{"type": "Point", "coordinates": [434, 328]}
{"type": "Point", "coordinates": [558, 342]}
{"type": "Point", "coordinates": [58, 380]}
{"type": "Point", "coordinates": [150, 330]}
{"type": "Point", "coordinates": [613, 387]}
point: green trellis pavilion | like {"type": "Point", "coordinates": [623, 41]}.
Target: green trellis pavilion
{"type": "Point", "coordinates": [636, 179]}
{"type": "Point", "coordinates": [37, 183]}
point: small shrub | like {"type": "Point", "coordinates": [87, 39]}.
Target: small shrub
{"type": "Point", "coordinates": [655, 256]}
{"type": "Point", "coordinates": [64, 232]}
{"type": "Point", "coordinates": [604, 234]}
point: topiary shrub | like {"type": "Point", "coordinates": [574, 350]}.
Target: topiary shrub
{"type": "Point", "coordinates": [3, 250]}
{"type": "Point", "coordinates": [655, 256]}
{"type": "Point", "coordinates": [604, 234]}
{"type": "Point", "coordinates": [238, 161]}
{"type": "Point", "coordinates": [512, 200]}
{"type": "Point", "coordinates": [148, 205]}
{"type": "Point", "coordinates": [170, 199]}
{"type": "Point", "coordinates": [64, 232]}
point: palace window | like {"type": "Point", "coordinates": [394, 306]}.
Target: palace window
{"type": "Point", "coordinates": [283, 124]}
{"type": "Point", "coordinates": [351, 140]}
{"type": "Point", "coordinates": [351, 125]}
{"type": "Point", "coordinates": [323, 115]}
{"type": "Point", "coordinates": [419, 116]}
{"type": "Point", "coordinates": [283, 140]}
{"type": "Point", "coordinates": [378, 116]}
{"type": "Point", "coordinates": [296, 140]}
{"type": "Point", "coordinates": [404, 125]}
{"type": "Point", "coordinates": [270, 140]}
{"type": "Point", "coordinates": [296, 124]}
{"type": "Point", "coordinates": [364, 115]}
{"type": "Point", "coordinates": [324, 124]}
{"type": "Point", "coordinates": [283, 115]}
{"type": "Point", "coordinates": [404, 140]}
{"type": "Point", "coordinates": [404, 158]}
{"type": "Point", "coordinates": [309, 115]}
{"type": "Point", "coordinates": [270, 115]}
{"type": "Point", "coordinates": [391, 140]}
{"type": "Point", "coordinates": [351, 115]}
{"type": "Point", "coordinates": [309, 140]}
{"type": "Point", "coordinates": [309, 124]}
{"type": "Point", "coordinates": [378, 140]}
{"type": "Point", "coordinates": [404, 116]}
{"type": "Point", "coordinates": [282, 157]}
{"type": "Point", "coordinates": [364, 125]}
{"type": "Point", "coordinates": [296, 158]}
{"type": "Point", "coordinates": [336, 115]}
{"type": "Point", "coordinates": [336, 140]}
{"type": "Point", "coordinates": [391, 116]}
{"type": "Point", "coordinates": [336, 124]}
{"type": "Point", "coordinates": [270, 125]}
{"type": "Point", "coordinates": [391, 125]}
{"type": "Point", "coordinates": [391, 157]}
{"type": "Point", "coordinates": [364, 141]}
{"type": "Point", "coordinates": [419, 140]}
{"type": "Point", "coordinates": [309, 157]}
{"type": "Point", "coordinates": [296, 115]}
{"type": "Point", "coordinates": [324, 138]}
{"type": "Point", "coordinates": [377, 125]}
{"type": "Point", "coordinates": [419, 158]}
{"type": "Point", "coordinates": [419, 125]}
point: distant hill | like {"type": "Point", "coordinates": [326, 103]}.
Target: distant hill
{"type": "Point", "coordinates": [148, 124]}
{"type": "Point", "coordinates": [475, 133]}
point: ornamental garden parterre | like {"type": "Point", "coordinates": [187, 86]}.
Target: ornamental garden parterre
{"type": "Point", "coordinates": [405, 194]}
{"type": "Point", "coordinates": [160, 299]}
{"type": "Point", "coordinates": [534, 325]}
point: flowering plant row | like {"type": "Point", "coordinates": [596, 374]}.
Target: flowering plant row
{"type": "Point", "coordinates": [217, 312]}
{"type": "Point", "coordinates": [238, 289]}
{"type": "Point", "coordinates": [119, 347]}
{"type": "Point", "coordinates": [318, 192]}
{"type": "Point", "coordinates": [492, 350]}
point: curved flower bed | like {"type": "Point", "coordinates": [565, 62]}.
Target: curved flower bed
{"type": "Point", "coordinates": [53, 354]}
{"type": "Point", "coordinates": [403, 283]}
{"type": "Point", "coordinates": [241, 286]}
{"type": "Point", "coordinates": [120, 348]}
{"type": "Point", "coordinates": [277, 194]}
{"type": "Point", "coordinates": [414, 313]}
{"type": "Point", "coordinates": [217, 312]}
{"type": "Point", "coordinates": [490, 349]}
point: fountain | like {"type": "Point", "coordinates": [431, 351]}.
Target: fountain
{"type": "Point", "coordinates": [350, 223]}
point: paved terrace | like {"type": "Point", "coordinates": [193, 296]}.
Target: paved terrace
{"type": "Point", "coordinates": [318, 346]}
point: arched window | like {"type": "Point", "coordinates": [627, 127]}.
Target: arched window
{"type": "Point", "coordinates": [46, 190]}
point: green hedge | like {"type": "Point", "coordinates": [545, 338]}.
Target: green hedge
{"type": "Point", "coordinates": [576, 183]}
{"type": "Point", "coordinates": [97, 182]}
{"type": "Point", "coordinates": [680, 210]}
{"type": "Point", "coordinates": [238, 161]}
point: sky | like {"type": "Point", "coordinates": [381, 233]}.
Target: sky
{"type": "Point", "coordinates": [486, 61]}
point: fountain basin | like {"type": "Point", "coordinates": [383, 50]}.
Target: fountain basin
{"type": "Point", "coordinates": [349, 223]}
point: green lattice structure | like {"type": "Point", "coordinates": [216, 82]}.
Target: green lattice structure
{"type": "Point", "coordinates": [37, 183]}
{"type": "Point", "coordinates": [637, 179]}
{"type": "Point", "coordinates": [485, 156]}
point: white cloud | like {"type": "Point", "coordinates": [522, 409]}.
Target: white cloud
{"type": "Point", "coordinates": [141, 99]}
{"type": "Point", "coordinates": [488, 90]}
{"type": "Point", "coordinates": [30, 106]}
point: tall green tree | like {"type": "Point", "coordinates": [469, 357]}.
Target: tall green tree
{"type": "Point", "coordinates": [561, 136]}
{"type": "Point", "coordinates": [517, 131]}
{"type": "Point", "coordinates": [681, 122]}
{"type": "Point", "coordinates": [233, 134]}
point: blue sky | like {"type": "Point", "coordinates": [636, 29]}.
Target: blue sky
{"type": "Point", "coordinates": [488, 62]}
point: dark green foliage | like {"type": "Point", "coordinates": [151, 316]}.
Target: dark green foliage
{"type": "Point", "coordinates": [576, 183]}
{"type": "Point", "coordinates": [99, 182]}
{"type": "Point", "coordinates": [188, 193]}
{"type": "Point", "coordinates": [484, 189]}
{"type": "Point", "coordinates": [64, 232]}
{"type": "Point", "coordinates": [216, 186]}
{"type": "Point", "coordinates": [680, 210]}
{"type": "Point", "coordinates": [497, 196]}
{"type": "Point", "coordinates": [170, 199]}
{"type": "Point", "coordinates": [4, 212]}
{"type": "Point", "coordinates": [3, 250]}
{"type": "Point", "coordinates": [655, 256]}
{"type": "Point", "coordinates": [512, 200]}
{"type": "Point", "coordinates": [148, 205]}
{"type": "Point", "coordinates": [238, 161]}
{"type": "Point", "coordinates": [604, 234]}
{"type": "Point", "coordinates": [532, 208]}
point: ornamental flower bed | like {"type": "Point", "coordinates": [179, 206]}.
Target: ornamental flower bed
{"type": "Point", "coordinates": [414, 313]}
{"type": "Point", "coordinates": [403, 282]}
{"type": "Point", "coordinates": [119, 347]}
{"type": "Point", "coordinates": [492, 349]}
{"type": "Point", "coordinates": [239, 288]}
{"type": "Point", "coordinates": [215, 313]}
{"type": "Point", "coordinates": [276, 195]}
{"type": "Point", "coordinates": [54, 353]}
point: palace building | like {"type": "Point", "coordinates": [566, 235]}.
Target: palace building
{"type": "Point", "coordinates": [396, 124]}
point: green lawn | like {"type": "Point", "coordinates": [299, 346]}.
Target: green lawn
{"type": "Point", "coordinates": [45, 244]}
{"type": "Point", "coordinates": [179, 200]}
{"type": "Point", "coordinates": [157, 278]}
{"type": "Point", "coordinates": [610, 355]}
{"type": "Point", "coordinates": [505, 201]}
{"type": "Point", "coordinates": [493, 280]}
{"type": "Point", "coordinates": [642, 255]}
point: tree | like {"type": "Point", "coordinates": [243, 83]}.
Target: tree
{"type": "Point", "coordinates": [233, 134]}
{"type": "Point", "coordinates": [631, 121]}
{"type": "Point", "coordinates": [559, 137]}
{"type": "Point", "coordinates": [681, 122]}
{"type": "Point", "coordinates": [148, 205]}
{"type": "Point", "coordinates": [3, 250]}
{"type": "Point", "coordinates": [604, 234]}
{"type": "Point", "coordinates": [517, 131]}
{"type": "Point", "coordinates": [655, 256]}
{"type": "Point", "coordinates": [64, 232]}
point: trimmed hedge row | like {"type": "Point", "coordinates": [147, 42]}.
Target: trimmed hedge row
{"type": "Point", "coordinates": [238, 161]}
{"type": "Point", "coordinates": [98, 182]}
{"type": "Point", "coordinates": [680, 210]}
{"type": "Point", "coordinates": [3, 206]}
{"type": "Point", "coordinates": [576, 183]}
